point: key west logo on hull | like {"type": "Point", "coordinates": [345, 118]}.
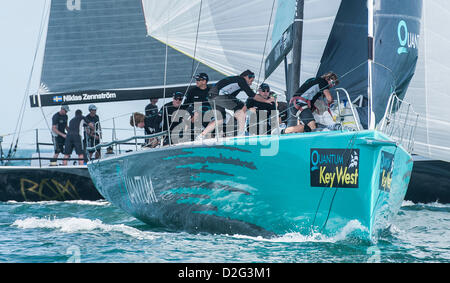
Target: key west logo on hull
{"type": "Point", "coordinates": [334, 168]}
{"type": "Point", "coordinates": [386, 171]}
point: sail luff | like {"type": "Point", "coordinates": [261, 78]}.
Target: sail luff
{"type": "Point", "coordinates": [296, 59]}
{"type": "Point", "coordinates": [48, 9]}
{"type": "Point", "coordinates": [427, 121]}
{"type": "Point", "coordinates": [428, 92]}
{"type": "Point", "coordinates": [371, 52]}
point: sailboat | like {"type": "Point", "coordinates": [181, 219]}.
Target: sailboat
{"type": "Point", "coordinates": [95, 52]}
{"type": "Point", "coordinates": [428, 93]}
{"type": "Point", "coordinates": [274, 184]}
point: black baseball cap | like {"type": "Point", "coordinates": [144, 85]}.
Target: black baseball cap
{"type": "Point", "coordinates": [264, 87]}
{"type": "Point", "coordinates": [178, 95]}
{"type": "Point", "coordinates": [201, 76]}
{"type": "Point", "coordinates": [248, 73]}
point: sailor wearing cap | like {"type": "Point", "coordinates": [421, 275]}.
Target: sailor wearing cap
{"type": "Point", "coordinates": [59, 127]}
{"type": "Point", "coordinates": [174, 114]}
{"type": "Point", "coordinates": [263, 105]}
{"type": "Point", "coordinates": [93, 131]}
{"type": "Point", "coordinates": [197, 98]}
{"type": "Point", "coordinates": [224, 96]}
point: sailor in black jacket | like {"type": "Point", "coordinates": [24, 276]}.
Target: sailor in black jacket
{"type": "Point", "coordinates": [305, 97]}
{"type": "Point", "coordinates": [223, 96]}
{"type": "Point", "coordinates": [261, 108]}
{"type": "Point", "coordinates": [177, 119]}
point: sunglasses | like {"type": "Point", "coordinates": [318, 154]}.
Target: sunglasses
{"type": "Point", "coordinates": [178, 98]}
{"type": "Point", "coordinates": [251, 76]}
{"type": "Point", "coordinates": [265, 90]}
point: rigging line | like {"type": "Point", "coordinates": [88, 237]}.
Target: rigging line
{"type": "Point", "coordinates": [165, 64]}
{"type": "Point", "coordinates": [193, 58]}
{"type": "Point", "coordinates": [265, 42]}
{"type": "Point", "coordinates": [352, 70]}
{"type": "Point", "coordinates": [40, 106]}
{"type": "Point", "coordinates": [23, 107]}
{"type": "Point", "coordinates": [44, 16]}
{"type": "Point", "coordinates": [378, 197]}
{"type": "Point", "coordinates": [387, 68]}
{"type": "Point", "coordinates": [195, 50]}
{"type": "Point", "coordinates": [42, 66]}
{"type": "Point", "coordinates": [196, 38]}
{"type": "Point", "coordinates": [350, 146]}
{"type": "Point", "coordinates": [318, 206]}
{"type": "Point", "coordinates": [46, 122]}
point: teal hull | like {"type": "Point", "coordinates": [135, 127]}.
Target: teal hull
{"type": "Point", "coordinates": [266, 185]}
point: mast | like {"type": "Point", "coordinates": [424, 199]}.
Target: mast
{"type": "Point", "coordinates": [293, 76]}
{"type": "Point", "coordinates": [371, 114]}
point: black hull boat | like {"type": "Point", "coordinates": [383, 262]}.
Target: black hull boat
{"type": "Point", "coordinates": [80, 83]}
{"type": "Point", "coordinates": [430, 182]}
{"type": "Point", "coordinates": [59, 183]}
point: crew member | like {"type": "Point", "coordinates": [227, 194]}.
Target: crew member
{"type": "Point", "coordinates": [197, 99]}
{"type": "Point", "coordinates": [223, 96]}
{"type": "Point", "coordinates": [150, 124]}
{"type": "Point", "coordinates": [305, 97]}
{"type": "Point", "coordinates": [59, 126]}
{"type": "Point", "coordinates": [93, 131]}
{"type": "Point", "coordinates": [263, 105]}
{"type": "Point", "coordinates": [176, 118]}
{"type": "Point", "coordinates": [73, 139]}
{"type": "Point", "coordinates": [151, 109]}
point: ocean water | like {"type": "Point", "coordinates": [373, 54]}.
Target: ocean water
{"type": "Point", "coordinates": [83, 231]}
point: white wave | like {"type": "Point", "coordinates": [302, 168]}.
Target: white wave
{"type": "Point", "coordinates": [296, 237]}
{"type": "Point", "coordinates": [407, 203]}
{"type": "Point", "coordinates": [89, 202]}
{"type": "Point", "coordinates": [75, 225]}
{"type": "Point", "coordinates": [55, 202]}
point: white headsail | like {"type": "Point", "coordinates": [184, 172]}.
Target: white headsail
{"type": "Point", "coordinates": [237, 35]}
{"type": "Point", "coordinates": [429, 92]}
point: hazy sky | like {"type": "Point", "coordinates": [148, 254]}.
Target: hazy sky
{"type": "Point", "coordinates": [19, 27]}
{"type": "Point", "coordinates": [20, 21]}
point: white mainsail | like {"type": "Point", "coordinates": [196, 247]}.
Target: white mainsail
{"type": "Point", "coordinates": [231, 34]}
{"type": "Point", "coordinates": [428, 91]}
{"type": "Point", "coordinates": [237, 35]}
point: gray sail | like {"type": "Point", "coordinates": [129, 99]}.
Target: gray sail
{"type": "Point", "coordinates": [99, 51]}
{"type": "Point", "coordinates": [429, 88]}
